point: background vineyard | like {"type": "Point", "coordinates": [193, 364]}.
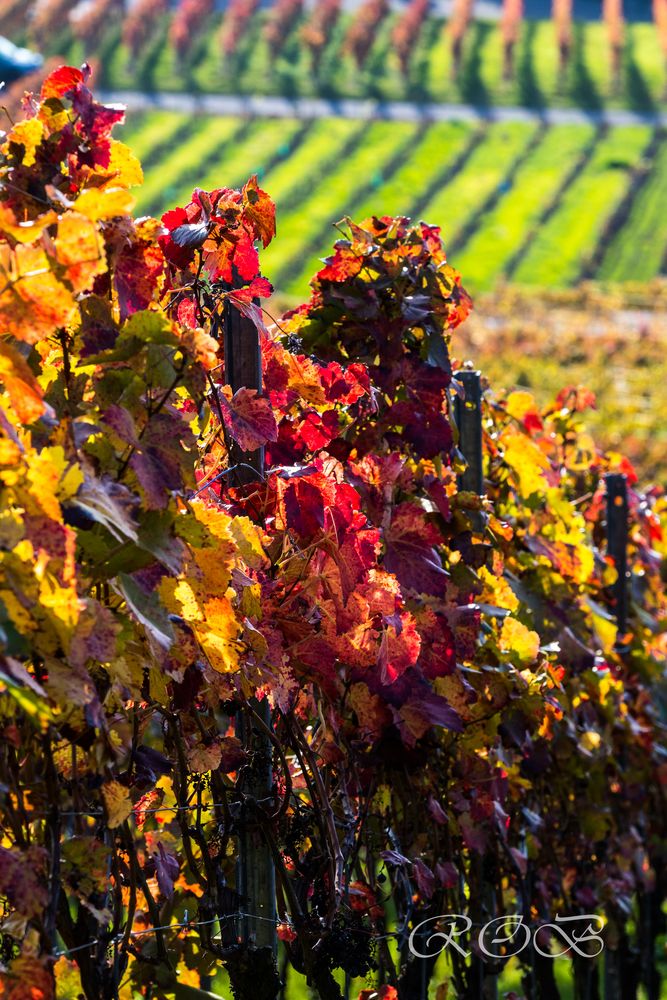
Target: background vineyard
{"type": "Point", "coordinates": [262, 57]}
{"type": "Point", "coordinates": [518, 202]}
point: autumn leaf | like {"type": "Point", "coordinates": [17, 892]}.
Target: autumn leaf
{"type": "Point", "coordinates": [117, 803]}
{"type": "Point", "coordinates": [249, 419]}
{"type": "Point", "coordinates": [80, 250]}
{"type": "Point", "coordinates": [519, 641]}
{"type": "Point", "coordinates": [98, 204]}
{"type": "Point", "coordinates": [33, 303]}
{"type": "Point", "coordinates": [21, 385]}
{"type": "Point", "coordinates": [260, 209]}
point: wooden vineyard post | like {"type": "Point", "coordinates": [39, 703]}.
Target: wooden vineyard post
{"type": "Point", "coordinates": [256, 872]}
{"type": "Point", "coordinates": [468, 416]}
{"type": "Point", "coordinates": [617, 545]}
{"type": "Point", "coordinates": [617, 542]}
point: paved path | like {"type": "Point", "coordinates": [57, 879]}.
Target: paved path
{"type": "Point", "coordinates": [307, 107]}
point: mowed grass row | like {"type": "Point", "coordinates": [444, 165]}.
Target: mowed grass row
{"type": "Point", "coordinates": [511, 198]}
{"type": "Point", "coordinates": [639, 250]}
{"type": "Point", "coordinates": [563, 245]}
{"type": "Point", "coordinates": [505, 231]}
{"type": "Point", "coordinates": [255, 69]}
{"type": "Point", "coordinates": [292, 258]}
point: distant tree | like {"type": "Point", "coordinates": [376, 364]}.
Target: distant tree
{"type": "Point", "coordinates": [561, 11]}
{"type": "Point", "coordinates": [91, 18]}
{"type": "Point", "coordinates": [186, 24]}
{"type": "Point", "coordinates": [406, 31]}
{"type": "Point", "coordinates": [660, 19]}
{"type": "Point", "coordinates": [612, 13]}
{"type": "Point", "coordinates": [235, 24]}
{"type": "Point", "coordinates": [284, 15]}
{"type": "Point", "coordinates": [317, 30]}
{"type": "Point", "coordinates": [457, 29]}
{"type": "Point", "coordinates": [47, 17]}
{"type": "Point", "coordinates": [364, 28]}
{"type": "Point", "coordinates": [510, 28]}
{"type": "Point", "coordinates": [139, 23]}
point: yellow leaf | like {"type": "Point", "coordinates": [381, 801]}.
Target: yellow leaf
{"type": "Point", "coordinates": [219, 635]}
{"type": "Point", "coordinates": [516, 638]}
{"type": "Point", "coordinates": [590, 740]}
{"type": "Point", "coordinates": [124, 168]}
{"type": "Point", "coordinates": [28, 134]}
{"type": "Point", "coordinates": [217, 521]}
{"type": "Point", "coordinates": [248, 539]}
{"type": "Point", "coordinates": [80, 250]}
{"type": "Point", "coordinates": [304, 379]}
{"type": "Point", "coordinates": [526, 459]}
{"type": "Point", "coordinates": [21, 385]}
{"type": "Point", "coordinates": [96, 203]}
{"type": "Point", "coordinates": [24, 232]}
{"type": "Point", "coordinates": [497, 591]}
{"type": "Point", "coordinates": [183, 594]}
{"type": "Point", "coordinates": [520, 403]}
{"type": "Point", "coordinates": [117, 803]}
{"type": "Point", "coordinates": [33, 303]}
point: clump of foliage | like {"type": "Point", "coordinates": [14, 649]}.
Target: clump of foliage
{"type": "Point", "coordinates": [451, 706]}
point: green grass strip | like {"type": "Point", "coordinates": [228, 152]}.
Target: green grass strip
{"type": "Point", "coordinates": [430, 158]}
{"type": "Point", "coordinates": [294, 178]}
{"type": "Point", "coordinates": [536, 183]}
{"type": "Point", "coordinates": [233, 164]}
{"type": "Point", "coordinates": [165, 179]}
{"type": "Point", "coordinates": [636, 253]}
{"type": "Point", "coordinates": [155, 128]}
{"type": "Point", "coordinates": [484, 171]}
{"type": "Point", "coordinates": [289, 256]}
{"type": "Point", "coordinates": [571, 234]}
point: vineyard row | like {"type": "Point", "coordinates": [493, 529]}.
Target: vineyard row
{"type": "Point", "coordinates": [518, 202]}
{"type": "Point", "coordinates": [269, 60]}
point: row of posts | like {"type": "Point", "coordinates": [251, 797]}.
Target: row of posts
{"type": "Point", "coordinates": [256, 872]}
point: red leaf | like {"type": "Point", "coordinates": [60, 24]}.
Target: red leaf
{"type": "Point", "coordinates": [245, 258]}
{"type": "Point", "coordinates": [448, 875]}
{"type": "Point", "coordinates": [60, 82]}
{"type": "Point", "coordinates": [136, 275]}
{"type": "Point", "coordinates": [424, 878]}
{"type": "Point", "coordinates": [249, 419]}
{"type": "Point", "coordinates": [381, 993]}
{"type": "Point", "coordinates": [345, 263]}
{"type": "Point", "coordinates": [411, 554]}
{"type": "Point", "coordinates": [304, 505]}
{"type": "Point", "coordinates": [260, 210]}
{"type": "Point", "coordinates": [259, 287]}
{"type": "Point", "coordinates": [286, 932]}
{"type": "Point", "coordinates": [399, 647]}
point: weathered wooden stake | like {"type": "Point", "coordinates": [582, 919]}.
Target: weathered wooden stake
{"type": "Point", "coordinates": [468, 416]}
{"type": "Point", "coordinates": [617, 542]}
{"type": "Point", "coordinates": [256, 872]}
{"type": "Point", "coordinates": [617, 545]}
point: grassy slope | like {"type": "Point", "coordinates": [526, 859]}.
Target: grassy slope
{"type": "Point", "coordinates": [337, 194]}
{"type": "Point", "coordinates": [639, 250]}
{"type": "Point", "coordinates": [162, 182]}
{"type": "Point", "coordinates": [504, 230]}
{"type": "Point", "coordinates": [537, 81]}
{"type": "Point", "coordinates": [320, 171]}
{"type": "Point", "coordinates": [429, 159]}
{"type": "Point", "coordinates": [573, 231]}
{"type": "Point", "coordinates": [231, 165]}
{"type": "Point", "coordinates": [485, 170]}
